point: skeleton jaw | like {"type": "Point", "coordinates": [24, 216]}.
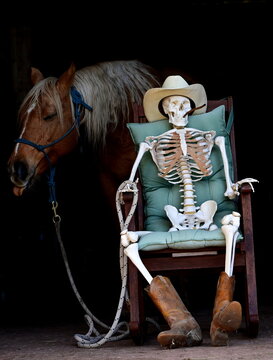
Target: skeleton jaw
{"type": "Point", "coordinates": [177, 122]}
{"type": "Point", "coordinates": [177, 107]}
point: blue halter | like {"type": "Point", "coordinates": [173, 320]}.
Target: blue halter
{"type": "Point", "coordinates": [78, 102]}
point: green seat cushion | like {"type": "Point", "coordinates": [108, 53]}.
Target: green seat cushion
{"type": "Point", "coordinates": [158, 192]}
{"type": "Point", "coordinates": [183, 239]}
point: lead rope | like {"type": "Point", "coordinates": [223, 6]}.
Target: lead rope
{"type": "Point", "coordinates": [128, 186]}
{"type": "Point", "coordinates": [87, 341]}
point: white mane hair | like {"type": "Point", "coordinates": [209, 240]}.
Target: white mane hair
{"type": "Point", "coordinates": [110, 88]}
{"type": "Point", "coordinates": [44, 87]}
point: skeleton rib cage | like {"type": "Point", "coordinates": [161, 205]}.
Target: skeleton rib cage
{"type": "Point", "coordinates": [182, 156]}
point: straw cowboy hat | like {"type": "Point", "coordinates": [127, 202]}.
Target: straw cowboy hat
{"type": "Point", "coordinates": [173, 85]}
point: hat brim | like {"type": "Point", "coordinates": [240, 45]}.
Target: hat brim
{"type": "Point", "coordinates": [153, 97]}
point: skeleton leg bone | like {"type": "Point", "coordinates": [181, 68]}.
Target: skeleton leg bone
{"type": "Point", "coordinates": [132, 252]}
{"type": "Point", "coordinates": [128, 237]}
{"type": "Point", "coordinates": [230, 229]}
{"type": "Point", "coordinates": [227, 314]}
{"type": "Point", "coordinates": [184, 330]}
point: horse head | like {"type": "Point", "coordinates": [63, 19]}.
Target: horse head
{"type": "Point", "coordinates": [53, 109]}
{"type": "Point", "coordinates": [45, 115]}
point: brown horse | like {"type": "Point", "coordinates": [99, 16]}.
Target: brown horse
{"type": "Point", "coordinates": [51, 114]}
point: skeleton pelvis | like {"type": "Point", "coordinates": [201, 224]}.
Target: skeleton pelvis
{"type": "Point", "coordinates": [202, 219]}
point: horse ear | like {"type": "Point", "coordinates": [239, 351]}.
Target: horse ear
{"type": "Point", "coordinates": [65, 80]}
{"type": "Point", "coordinates": [36, 75]}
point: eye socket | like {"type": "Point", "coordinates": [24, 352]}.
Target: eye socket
{"type": "Point", "coordinates": [50, 116]}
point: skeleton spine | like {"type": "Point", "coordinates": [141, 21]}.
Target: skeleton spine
{"type": "Point", "coordinates": [188, 190]}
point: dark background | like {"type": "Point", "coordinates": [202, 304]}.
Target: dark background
{"type": "Point", "coordinates": [224, 45]}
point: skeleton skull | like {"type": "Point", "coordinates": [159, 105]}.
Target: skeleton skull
{"type": "Point", "coordinates": [177, 107]}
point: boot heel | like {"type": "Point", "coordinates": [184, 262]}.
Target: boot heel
{"type": "Point", "coordinates": [177, 337]}
{"type": "Point", "coordinates": [219, 337]}
{"type": "Point", "coordinates": [230, 318]}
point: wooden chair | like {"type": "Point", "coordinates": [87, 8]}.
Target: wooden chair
{"type": "Point", "coordinates": [160, 261]}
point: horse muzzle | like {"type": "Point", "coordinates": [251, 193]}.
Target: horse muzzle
{"type": "Point", "coordinates": [20, 175]}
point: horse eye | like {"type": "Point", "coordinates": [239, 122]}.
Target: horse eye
{"type": "Point", "coordinates": [50, 116]}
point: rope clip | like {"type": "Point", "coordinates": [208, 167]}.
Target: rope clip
{"type": "Point", "coordinates": [56, 218]}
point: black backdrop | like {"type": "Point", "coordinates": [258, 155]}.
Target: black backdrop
{"type": "Point", "coordinates": [223, 45]}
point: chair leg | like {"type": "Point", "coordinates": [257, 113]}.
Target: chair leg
{"type": "Point", "coordinates": [137, 318]}
{"type": "Point", "coordinates": [251, 311]}
{"type": "Point", "coordinates": [252, 317]}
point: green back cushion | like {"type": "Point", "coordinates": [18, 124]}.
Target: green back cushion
{"type": "Point", "coordinates": [158, 192]}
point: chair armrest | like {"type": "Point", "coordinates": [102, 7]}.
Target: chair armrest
{"type": "Point", "coordinates": [246, 188]}
{"type": "Point", "coordinates": [246, 209]}
{"type": "Point", "coordinates": [245, 196]}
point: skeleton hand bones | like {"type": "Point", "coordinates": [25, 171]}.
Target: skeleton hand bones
{"type": "Point", "coordinates": [238, 184]}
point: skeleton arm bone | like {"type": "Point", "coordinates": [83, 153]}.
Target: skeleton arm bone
{"type": "Point", "coordinates": [220, 142]}
{"type": "Point", "coordinates": [128, 237]}
{"type": "Point", "coordinates": [143, 147]}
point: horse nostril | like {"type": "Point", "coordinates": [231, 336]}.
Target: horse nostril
{"type": "Point", "coordinates": [20, 170]}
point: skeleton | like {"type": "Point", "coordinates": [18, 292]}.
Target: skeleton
{"type": "Point", "coordinates": [182, 156]}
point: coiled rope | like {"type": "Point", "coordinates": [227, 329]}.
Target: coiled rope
{"type": "Point", "coordinates": [98, 339]}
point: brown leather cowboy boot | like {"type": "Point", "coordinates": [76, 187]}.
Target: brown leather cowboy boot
{"type": "Point", "coordinates": [227, 314]}
{"type": "Point", "coordinates": [184, 330]}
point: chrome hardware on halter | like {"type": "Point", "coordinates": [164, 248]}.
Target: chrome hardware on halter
{"type": "Point", "coordinates": [56, 217]}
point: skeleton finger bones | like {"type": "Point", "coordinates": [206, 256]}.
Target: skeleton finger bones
{"type": "Point", "coordinates": [239, 183]}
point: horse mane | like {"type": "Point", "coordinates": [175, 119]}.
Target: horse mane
{"type": "Point", "coordinates": [45, 87]}
{"type": "Point", "coordinates": [110, 88]}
